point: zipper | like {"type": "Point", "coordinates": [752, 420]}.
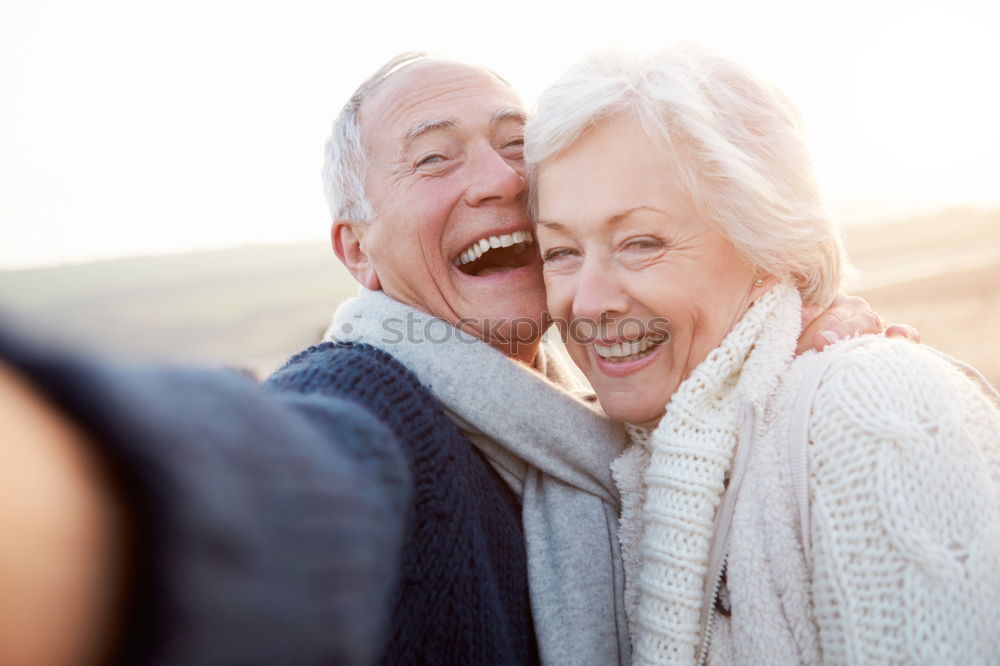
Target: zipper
{"type": "Point", "coordinates": [719, 550]}
{"type": "Point", "coordinates": [706, 637]}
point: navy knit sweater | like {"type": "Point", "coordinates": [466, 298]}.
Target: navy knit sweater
{"type": "Point", "coordinates": [462, 595]}
{"type": "Point", "coordinates": [266, 525]}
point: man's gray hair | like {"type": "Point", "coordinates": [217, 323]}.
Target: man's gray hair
{"type": "Point", "coordinates": [738, 146]}
{"type": "Point", "coordinates": [344, 156]}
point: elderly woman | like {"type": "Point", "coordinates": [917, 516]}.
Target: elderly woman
{"type": "Point", "coordinates": [842, 506]}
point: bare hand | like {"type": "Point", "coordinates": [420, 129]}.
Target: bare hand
{"type": "Point", "coordinates": [903, 331]}
{"type": "Point", "coordinates": [59, 549]}
{"type": "Point", "coordinates": [847, 317]}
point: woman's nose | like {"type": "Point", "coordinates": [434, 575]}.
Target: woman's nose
{"type": "Point", "coordinates": [599, 293]}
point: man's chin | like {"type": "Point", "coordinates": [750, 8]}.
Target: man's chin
{"type": "Point", "coordinates": [500, 326]}
{"type": "Point", "coordinates": [504, 308]}
{"type": "Point", "coordinates": [513, 327]}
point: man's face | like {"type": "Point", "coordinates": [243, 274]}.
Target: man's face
{"type": "Point", "coordinates": [444, 148]}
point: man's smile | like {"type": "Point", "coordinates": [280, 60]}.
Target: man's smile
{"type": "Point", "coordinates": [496, 254]}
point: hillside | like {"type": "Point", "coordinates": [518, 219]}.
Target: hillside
{"type": "Point", "coordinates": [940, 273]}
{"type": "Point", "coordinates": [247, 306]}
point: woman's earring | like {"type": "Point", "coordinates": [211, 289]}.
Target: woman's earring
{"type": "Point", "coordinates": [758, 282]}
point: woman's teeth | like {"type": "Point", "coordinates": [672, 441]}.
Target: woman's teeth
{"type": "Point", "coordinates": [626, 351]}
{"type": "Point", "coordinates": [483, 245]}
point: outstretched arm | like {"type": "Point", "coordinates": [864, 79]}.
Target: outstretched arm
{"type": "Point", "coordinates": [258, 528]}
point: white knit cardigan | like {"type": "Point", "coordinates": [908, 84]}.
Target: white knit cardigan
{"type": "Point", "coordinates": [904, 501]}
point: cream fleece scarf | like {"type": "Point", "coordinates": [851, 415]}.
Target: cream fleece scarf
{"type": "Point", "coordinates": [552, 448]}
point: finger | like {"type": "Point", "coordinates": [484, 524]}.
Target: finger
{"type": "Point", "coordinates": [904, 331]}
{"type": "Point", "coordinates": [824, 329]}
{"type": "Point", "coordinates": [818, 339]}
{"type": "Point", "coordinates": [808, 340]}
{"type": "Point", "coordinates": [814, 321]}
{"type": "Point", "coordinates": [846, 317]}
{"type": "Point", "coordinates": [846, 307]}
{"type": "Point", "coordinates": [828, 329]}
{"type": "Point", "coordinates": [863, 322]}
{"type": "Point", "coordinates": [809, 314]}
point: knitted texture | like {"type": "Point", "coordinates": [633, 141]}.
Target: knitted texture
{"type": "Point", "coordinates": [691, 452]}
{"type": "Point", "coordinates": [904, 483]}
{"type": "Point", "coordinates": [462, 597]}
{"type": "Point", "coordinates": [906, 511]}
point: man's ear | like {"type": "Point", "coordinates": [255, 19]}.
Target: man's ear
{"type": "Point", "coordinates": [346, 236]}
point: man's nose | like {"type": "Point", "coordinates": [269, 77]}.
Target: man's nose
{"type": "Point", "coordinates": [599, 293]}
{"type": "Point", "coordinates": [494, 179]}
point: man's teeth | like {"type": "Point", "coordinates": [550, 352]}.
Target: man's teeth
{"type": "Point", "coordinates": [621, 351]}
{"type": "Point", "coordinates": [483, 245]}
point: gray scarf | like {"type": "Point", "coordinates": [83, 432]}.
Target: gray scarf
{"type": "Point", "coordinates": [552, 448]}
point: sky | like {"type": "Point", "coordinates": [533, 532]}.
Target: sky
{"type": "Point", "coordinates": [133, 127]}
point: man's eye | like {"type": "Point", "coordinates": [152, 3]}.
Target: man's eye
{"type": "Point", "coordinates": [430, 159]}
{"type": "Point", "coordinates": [514, 147]}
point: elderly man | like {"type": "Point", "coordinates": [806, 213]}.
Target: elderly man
{"type": "Point", "coordinates": [266, 518]}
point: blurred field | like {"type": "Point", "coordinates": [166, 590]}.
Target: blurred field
{"type": "Point", "coordinates": [940, 273]}
{"type": "Point", "coordinates": [249, 307]}
{"type": "Point", "coordinates": [252, 307]}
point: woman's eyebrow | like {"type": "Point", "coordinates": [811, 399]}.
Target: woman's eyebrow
{"type": "Point", "coordinates": [615, 219]}
{"type": "Point", "coordinates": [555, 226]}
{"type": "Point", "coordinates": [611, 221]}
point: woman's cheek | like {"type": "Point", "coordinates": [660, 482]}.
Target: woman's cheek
{"type": "Point", "coordinates": [558, 293]}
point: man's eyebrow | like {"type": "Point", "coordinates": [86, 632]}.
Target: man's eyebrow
{"type": "Point", "coordinates": [512, 113]}
{"type": "Point", "coordinates": [411, 134]}
{"type": "Point", "coordinates": [427, 126]}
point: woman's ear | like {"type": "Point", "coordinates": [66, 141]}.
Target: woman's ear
{"type": "Point", "coordinates": [346, 237]}
{"type": "Point", "coordinates": [762, 283]}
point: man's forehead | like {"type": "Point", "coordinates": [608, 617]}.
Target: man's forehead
{"type": "Point", "coordinates": [433, 91]}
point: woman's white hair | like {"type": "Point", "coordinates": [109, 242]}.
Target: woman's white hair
{"type": "Point", "coordinates": [344, 156]}
{"type": "Point", "coordinates": [738, 147]}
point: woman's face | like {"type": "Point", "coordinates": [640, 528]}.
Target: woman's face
{"type": "Point", "coordinates": [645, 286]}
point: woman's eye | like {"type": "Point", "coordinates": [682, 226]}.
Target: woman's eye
{"type": "Point", "coordinates": [556, 253]}
{"type": "Point", "coordinates": [644, 243]}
